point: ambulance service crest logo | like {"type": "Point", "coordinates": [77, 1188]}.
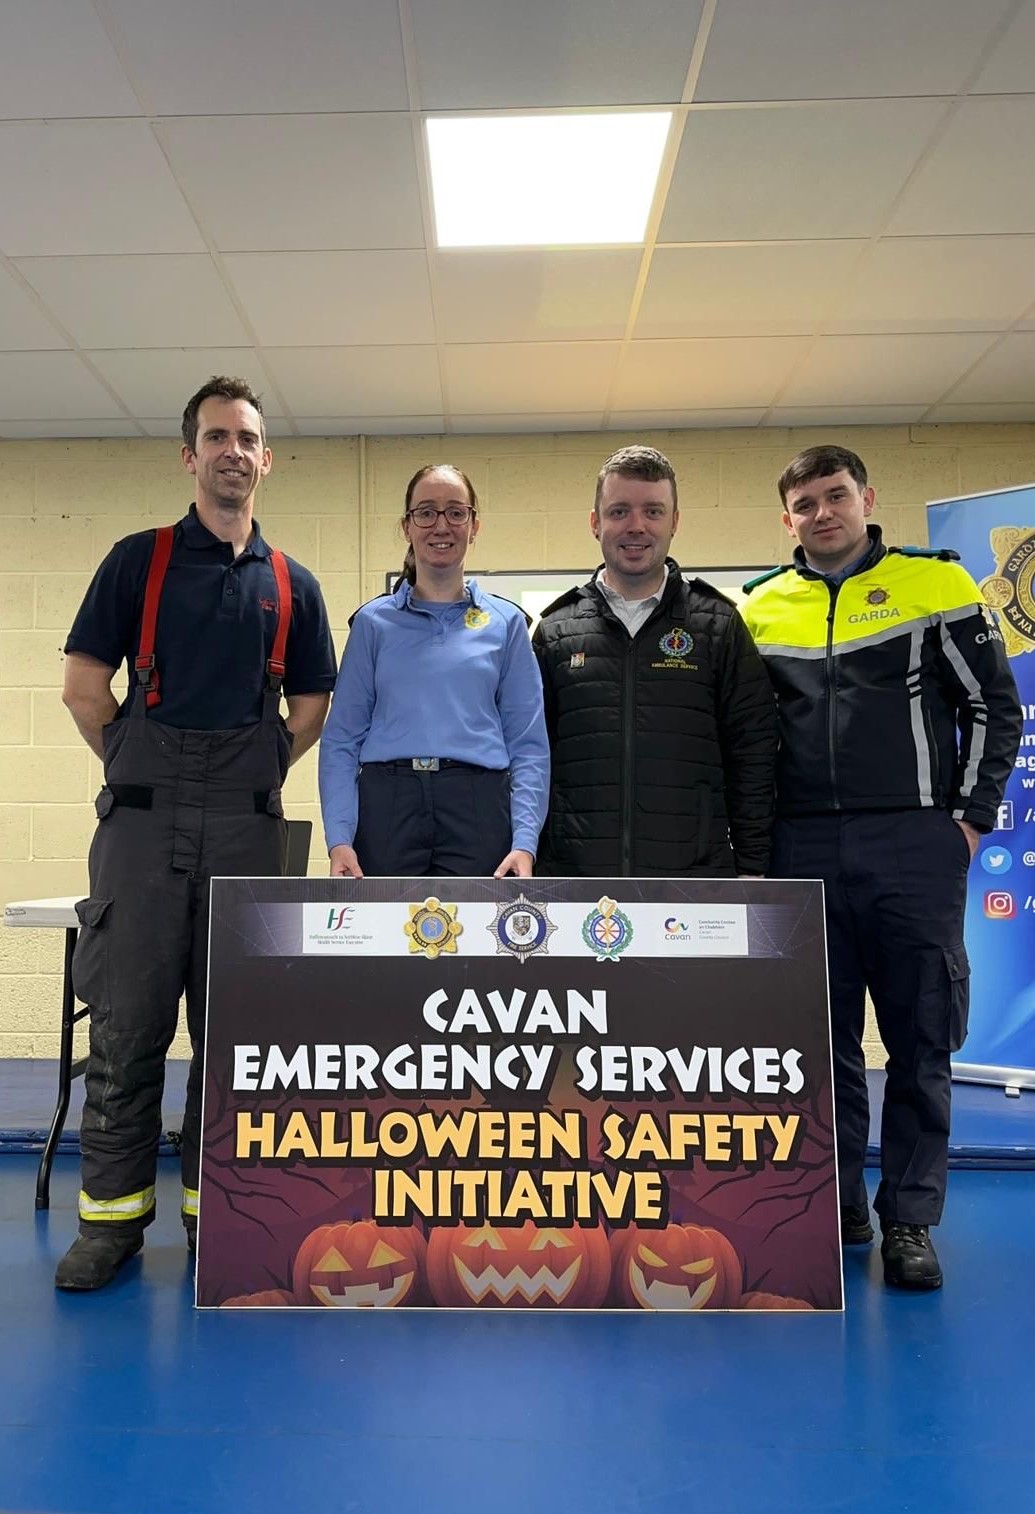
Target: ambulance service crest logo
{"type": "Point", "coordinates": [607, 931]}
{"type": "Point", "coordinates": [521, 929]}
{"type": "Point", "coordinates": [433, 928]}
{"type": "Point", "coordinates": [676, 643]}
{"type": "Point", "coordinates": [1008, 591]}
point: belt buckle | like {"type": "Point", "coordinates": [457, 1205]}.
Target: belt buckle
{"type": "Point", "coordinates": [425, 764]}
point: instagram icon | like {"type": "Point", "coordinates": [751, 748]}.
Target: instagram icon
{"type": "Point", "coordinates": [999, 905]}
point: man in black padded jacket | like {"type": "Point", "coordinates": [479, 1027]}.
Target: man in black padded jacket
{"type": "Point", "coordinates": [662, 722]}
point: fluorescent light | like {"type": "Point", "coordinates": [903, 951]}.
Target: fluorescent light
{"type": "Point", "coordinates": [533, 181]}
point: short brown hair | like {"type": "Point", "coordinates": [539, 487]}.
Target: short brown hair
{"type": "Point", "coordinates": [645, 463]}
{"type": "Point", "coordinates": [222, 388]}
{"type": "Point", "coordinates": [820, 462]}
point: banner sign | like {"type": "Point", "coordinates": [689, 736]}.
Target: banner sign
{"type": "Point", "coordinates": [520, 1093]}
{"type": "Point", "coordinates": [995, 537]}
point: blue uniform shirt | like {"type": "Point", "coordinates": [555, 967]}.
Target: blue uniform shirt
{"type": "Point", "coordinates": [457, 681]}
{"type": "Point", "coordinates": [216, 622]}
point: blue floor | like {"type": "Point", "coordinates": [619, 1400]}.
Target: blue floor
{"type": "Point", "coordinates": [128, 1401]}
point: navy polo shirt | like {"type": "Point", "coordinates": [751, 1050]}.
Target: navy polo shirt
{"type": "Point", "coordinates": [216, 622]}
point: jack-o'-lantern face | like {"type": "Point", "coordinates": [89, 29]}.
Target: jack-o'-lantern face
{"type": "Point", "coordinates": [519, 1267]}
{"type": "Point", "coordinates": [358, 1265]}
{"type": "Point", "coordinates": [680, 1267]}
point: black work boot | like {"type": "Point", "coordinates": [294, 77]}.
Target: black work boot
{"type": "Point", "coordinates": [94, 1258]}
{"type": "Point", "coordinates": [910, 1260]}
{"type": "Point", "coordinates": [191, 1229]}
{"type": "Point", "coordinates": [856, 1229]}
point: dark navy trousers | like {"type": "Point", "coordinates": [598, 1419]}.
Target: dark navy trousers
{"type": "Point", "coordinates": [895, 886]}
{"type": "Point", "coordinates": [451, 823]}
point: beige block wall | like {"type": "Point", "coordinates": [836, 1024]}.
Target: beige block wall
{"type": "Point", "coordinates": [334, 503]}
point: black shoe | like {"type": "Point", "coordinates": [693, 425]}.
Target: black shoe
{"type": "Point", "coordinates": [910, 1260]}
{"type": "Point", "coordinates": [856, 1229]}
{"type": "Point", "coordinates": [93, 1260]}
{"type": "Point", "coordinates": [192, 1238]}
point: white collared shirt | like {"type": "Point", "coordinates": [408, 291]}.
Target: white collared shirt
{"type": "Point", "coordinates": [631, 612]}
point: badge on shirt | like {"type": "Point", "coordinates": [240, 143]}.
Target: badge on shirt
{"type": "Point", "coordinates": [475, 619]}
{"type": "Point", "coordinates": [578, 660]}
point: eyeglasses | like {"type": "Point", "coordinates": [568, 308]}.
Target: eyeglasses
{"type": "Point", "coordinates": [427, 516]}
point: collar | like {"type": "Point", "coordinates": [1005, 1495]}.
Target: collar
{"type": "Point", "coordinates": [402, 596]}
{"type": "Point", "coordinates": [197, 536]}
{"type": "Point", "coordinates": [873, 555]}
{"type": "Point", "coordinates": [594, 594]}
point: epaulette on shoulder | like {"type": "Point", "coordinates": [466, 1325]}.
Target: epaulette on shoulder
{"type": "Point", "coordinates": [513, 604]}
{"type": "Point", "coordinates": [943, 554]}
{"type": "Point", "coordinates": [569, 597]}
{"type": "Point", "coordinates": [763, 578]}
{"type": "Point", "coordinates": [388, 593]}
{"type": "Point", "coordinates": [703, 584]}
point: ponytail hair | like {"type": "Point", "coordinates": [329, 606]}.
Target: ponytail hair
{"type": "Point", "coordinates": [408, 575]}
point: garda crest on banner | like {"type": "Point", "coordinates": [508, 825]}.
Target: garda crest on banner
{"type": "Point", "coordinates": [433, 928]}
{"type": "Point", "coordinates": [521, 929]}
{"type": "Point", "coordinates": [1009, 589]}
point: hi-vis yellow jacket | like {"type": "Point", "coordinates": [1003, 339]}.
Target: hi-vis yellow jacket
{"type": "Point", "coordinates": [893, 687]}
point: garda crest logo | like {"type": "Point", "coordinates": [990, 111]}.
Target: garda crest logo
{"type": "Point", "coordinates": [521, 929]}
{"type": "Point", "coordinates": [607, 931]}
{"type": "Point", "coordinates": [877, 597]}
{"type": "Point", "coordinates": [1008, 590]}
{"type": "Point", "coordinates": [676, 643]}
{"type": "Point", "coordinates": [475, 619]}
{"type": "Point", "coordinates": [433, 928]}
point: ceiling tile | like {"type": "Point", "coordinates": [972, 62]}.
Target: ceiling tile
{"type": "Point", "coordinates": [161, 381]}
{"type": "Point", "coordinates": [137, 301]}
{"type": "Point", "coordinates": [313, 55]}
{"type": "Point", "coordinates": [881, 370]}
{"type": "Point", "coordinates": [57, 61]}
{"type": "Point", "coordinates": [88, 187]}
{"type": "Point", "coordinates": [813, 50]}
{"type": "Point", "coordinates": [46, 430]}
{"type": "Point", "coordinates": [51, 386]}
{"type": "Point", "coordinates": [940, 284]}
{"type": "Point", "coordinates": [516, 424]}
{"type": "Point", "coordinates": [337, 181]}
{"type": "Point", "coordinates": [529, 378]}
{"type": "Point", "coordinates": [335, 299]}
{"type": "Point", "coordinates": [974, 180]}
{"type": "Point", "coordinates": [1006, 374]}
{"type": "Point", "coordinates": [952, 414]}
{"type": "Point", "coordinates": [372, 425]}
{"type": "Point", "coordinates": [850, 415]}
{"type": "Point", "coordinates": [23, 326]}
{"type": "Point", "coordinates": [794, 172]}
{"type": "Point", "coordinates": [680, 420]}
{"type": "Point", "coordinates": [735, 373]}
{"type": "Point", "coordinates": [475, 54]}
{"type": "Point", "coordinates": [530, 296]}
{"type": "Point", "coordinates": [336, 381]}
{"type": "Point", "coordinates": [1010, 68]}
{"type": "Point", "coordinates": [763, 290]}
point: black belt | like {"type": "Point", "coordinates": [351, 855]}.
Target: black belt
{"type": "Point", "coordinates": [141, 796]}
{"type": "Point", "coordinates": [432, 765]}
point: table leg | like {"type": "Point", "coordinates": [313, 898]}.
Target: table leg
{"type": "Point", "coordinates": [66, 1072]}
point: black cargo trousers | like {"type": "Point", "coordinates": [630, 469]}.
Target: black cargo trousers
{"type": "Point", "coordinates": [895, 884]}
{"type": "Point", "coordinates": [178, 808]}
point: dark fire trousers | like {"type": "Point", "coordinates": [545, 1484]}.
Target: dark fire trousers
{"type": "Point", "coordinates": [895, 885]}
{"type": "Point", "coordinates": [178, 807]}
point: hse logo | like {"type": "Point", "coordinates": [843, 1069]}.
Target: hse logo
{"type": "Point", "coordinates": [999, 905]}
{"type": "Point", "coordinates": [340, 919]}
{"type": "Point", "coordinates": [996, 860]}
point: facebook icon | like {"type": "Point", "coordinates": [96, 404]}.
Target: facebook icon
{"type": "Point", "coordinates": [1004, 820]}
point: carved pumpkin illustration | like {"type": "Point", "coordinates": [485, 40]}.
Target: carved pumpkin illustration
{"type": "Point", "coordinates": [771, 1301]}
{"type": "Point", "coordinates": [680, 1267]}
{"type": "Point", "coordinates": [519, 1266]}
{"type": "Point", "coordinates": [352, 1265]}
{"type": "Point", "coordinates": [266, 1298]}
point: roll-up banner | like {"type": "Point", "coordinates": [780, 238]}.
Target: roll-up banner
{"type": "Point", "coordinates": [994, 534]}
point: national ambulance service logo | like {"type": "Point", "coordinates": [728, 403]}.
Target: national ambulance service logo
{"type": "Point", "coordinates": [433, 928]}
{"type": "Point", "coordinates": [877, 597]}
{"type": "Point", "coordinates": [475, 619]}
{"type": "Point", "coordinates": [1009, 589]}
{"type": "Point", "coordinates": [521, 929]}
{"type": "Point", "coordinates": [607, 931]}
{"type": "Point", "coordinates": [676, 643]}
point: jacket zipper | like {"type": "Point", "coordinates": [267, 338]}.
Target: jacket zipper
{"type": "Point", "coordinates": [629, 740]}
{"type": "Point", "coordinates": [831, 708]}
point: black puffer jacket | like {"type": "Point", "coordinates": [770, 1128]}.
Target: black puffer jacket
{"type": "Point", "coordinates": [663, 744]}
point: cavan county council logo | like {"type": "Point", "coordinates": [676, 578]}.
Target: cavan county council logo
{"type": "Point", "coordinates": [433, 928]}
{"type": "Point", "coordinates": [877, 597]}
{"type": "Point", "coordinates": [676, 643]}
{"type": "Point", "coordinates": [522, 929]}
{"type": "Point", "coordinates": [1009, 589]}
{"type": "Point", "coordinates": [607, 931]}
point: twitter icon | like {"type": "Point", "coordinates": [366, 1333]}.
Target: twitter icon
{"type": "Point", "coordinates": [996, 859]}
